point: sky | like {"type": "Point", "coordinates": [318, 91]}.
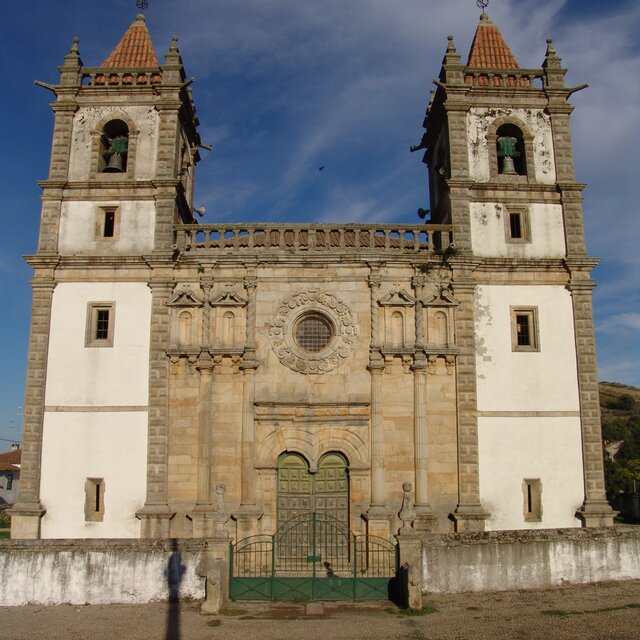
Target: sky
{"type": "Point", "coordinates": [286, 86]}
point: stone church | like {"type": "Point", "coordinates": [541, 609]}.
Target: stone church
{"type": "Point", "coordinates": [178, 369]}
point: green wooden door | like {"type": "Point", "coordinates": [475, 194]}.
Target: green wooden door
{"type": "Point", "coordinates": [300, 491]}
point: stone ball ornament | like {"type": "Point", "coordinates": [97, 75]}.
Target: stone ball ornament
{"type": "Point", "coordinates": [312, 332]}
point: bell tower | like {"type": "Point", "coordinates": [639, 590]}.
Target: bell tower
{"type": "Point", "coordinates": [125, 146]}
{"type": "Point", "coordinates": [498, 148]}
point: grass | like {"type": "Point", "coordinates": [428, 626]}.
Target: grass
{"type": "Point", "coordinates": [5, 535]}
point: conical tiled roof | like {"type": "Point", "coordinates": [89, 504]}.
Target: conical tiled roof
{"type": "Point", "coordinates": [489, 50]}
{"type": "Point", "coordinates": [134, 50]}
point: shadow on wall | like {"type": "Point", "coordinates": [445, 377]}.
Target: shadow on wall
{"type": "Point", "coordinates": [174, 573]}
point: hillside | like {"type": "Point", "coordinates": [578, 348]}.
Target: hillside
{"type": "Point", "coordinates": [620, 407]}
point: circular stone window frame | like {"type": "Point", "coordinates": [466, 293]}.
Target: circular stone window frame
{"type": "Point", "coordinates": [284, 323]}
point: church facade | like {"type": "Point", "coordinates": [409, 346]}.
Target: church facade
{"type": "Point", "coordinates": [293, 368]}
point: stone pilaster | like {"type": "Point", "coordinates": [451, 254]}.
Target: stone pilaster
{"type": "Point", "coordinates": [250, 284]}
{"type": "Point", "coordinates": [595, 511]}
{"type": "Point", "coordinates": [155, 514]}
{"type": "Point", "coordinates": [201, 514]}
{"type": "Point", "coordinates": [469, 514]}
{"type": "Point", "coordinates": [418, 283]}
{"type": "Point", "coordinates": [249, 513]}
{"type": "Point", "coordinates": [28, 510]}
{"type": "Point", "coordinates": [424, 516]}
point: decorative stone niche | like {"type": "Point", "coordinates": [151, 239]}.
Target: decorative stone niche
{"type": "Point", "coordinates": [228, 310]}
{"type": "Point", "coordinates": [186, 318]}
{"type": "Point", "coordinates": [440, 310]}
{"type": "Point", "coordinates": [399, 332]}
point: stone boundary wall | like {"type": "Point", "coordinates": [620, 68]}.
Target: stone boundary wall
{"type": "Point", "coordinates": [97, 571]}
{"type": "Point", "coordinates": [137, 571]}
{"type": "Point", "coordinates": [504, 560]}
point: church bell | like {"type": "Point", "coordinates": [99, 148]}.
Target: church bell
{"type": "Point", "coordinates": [116, 164]}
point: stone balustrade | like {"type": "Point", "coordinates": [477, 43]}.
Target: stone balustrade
{"type": "Point", "coordinates": [99, 77]}
{"type": "Point", "coordinates": [520, 78]}
{"type": "Point", "coordinates": [293, 238]}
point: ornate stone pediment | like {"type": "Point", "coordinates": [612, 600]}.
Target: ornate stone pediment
{"type": "Point", "coordinates": [183, 296]}
{"type": "Point", "coordinates": [397, 298]}
{"type": "Point", "coordinates": [227, 299]}
{"type": "Point", "coordinates": [444, 298]}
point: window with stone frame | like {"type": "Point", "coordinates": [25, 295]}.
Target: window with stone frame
{"type": "Point", "coordinates": [101, 318]}
{"type": "Point", "coordinates": [94, 499]}
{"type": "Point", "coordinates": [107, 225]}
{"type": "Point", "coordinates": [524, 329]}
{"type": "Point", "coordinates": [532, 495]}
{"type": "Point", "coordinates": [517, 228]}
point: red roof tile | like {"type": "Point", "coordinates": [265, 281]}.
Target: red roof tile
{"type": "Point", "coordinates": [489, 50]}
{"type": "Point", "coordinates": [10, 461]}
{"type": "Point", "coordinates": [134, 50]}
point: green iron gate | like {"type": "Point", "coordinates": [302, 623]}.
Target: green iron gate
{"type": "Point", "coordinates": [312, 557]}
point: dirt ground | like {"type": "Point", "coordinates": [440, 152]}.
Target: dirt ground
{"type": "Point", "coordinates": [595, 612]}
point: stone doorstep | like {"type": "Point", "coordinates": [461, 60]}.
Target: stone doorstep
{"type": "Point", "coordinates": [293, 610]}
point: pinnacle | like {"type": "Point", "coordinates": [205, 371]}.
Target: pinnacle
{"type": "Point", "coordinates": [135, 48]}
{"type": "Point", "coordinates": [489, 49]}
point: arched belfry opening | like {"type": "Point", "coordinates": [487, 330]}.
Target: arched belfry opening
{"type": "Point", "coordinates": [324, 490]}
{"type": "Point", "coordinates": [511, 151]}
{"type": "Point", "coordinates": [114, 147]}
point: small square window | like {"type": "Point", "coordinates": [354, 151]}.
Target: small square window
{"type": "Point", "coordinates": [94, 500]}
{"type": "Point", "coordinates": [524, 329]}
{"type": "Point", "coordinates": [517, 226]}
{"type": "Point", "coordinates": [101, 318]}
{"type": "Point", "coordinates": [532, 494]}
{"type": "Point", "coordinates": [107, 223]}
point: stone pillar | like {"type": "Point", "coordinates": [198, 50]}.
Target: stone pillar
{"type": "Point", "coordinates": [214, 565]}
{"type": "Point", "coordinates": [249, 514]}
{"type": "Point", "coordinates": [595, 511]}
{"type": "Point", "coordinates": [469, 514]}
{"type": "Point", "coordinates": [156, 515]}
{"type": "Point", "coordinates": [27, 512]}
{"type": "Point", "coordinates": [410, 551]}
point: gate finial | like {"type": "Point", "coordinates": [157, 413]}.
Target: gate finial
{"type": "Point", "coordinates": [220, 515]}
{"type": "Point", "coordinates": [408, 511]}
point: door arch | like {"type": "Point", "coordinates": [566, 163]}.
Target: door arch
{"type": "Point", "coordinates": [300, 491]}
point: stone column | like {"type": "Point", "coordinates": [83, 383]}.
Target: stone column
{"type": "Point", "coordinates": [27, 512]}
{"type": "Point", "coordinates": [469, 514]}
{"type": "Point", "coordinates": [249, 514]}
{"type": "Point", "coordinates": [155, 514]}
{"type": "Point", "coordinates": [595, 511]}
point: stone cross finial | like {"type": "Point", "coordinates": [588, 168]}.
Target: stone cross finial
{"type": "Point", "coordinates": [408, 511]}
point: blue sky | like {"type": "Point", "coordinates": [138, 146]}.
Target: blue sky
{"type": "Point", "coordinates": [285, 86]}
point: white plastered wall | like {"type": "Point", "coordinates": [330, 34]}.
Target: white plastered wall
{"type": "Point", "coordinates": [528, 425]}
{"type": "Point", "coordinates": [81, 445]}
{"type": "Point", "coordinates": [86, 120]}
{"type": "Point", "coordinates": [99, 376]}
{"type": "Point", "coordinates": [80, 220]}
{"type": "Point", "coordinates": [489, 232]}
{"type": "Point", "coordinates": [512, 449]}
{"type": "Point", "coordinates": [480, 119]}
{"type": "Point", "coordinates": [544, 380]}
{"type": "Point", "coordinates": [109, 441]}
